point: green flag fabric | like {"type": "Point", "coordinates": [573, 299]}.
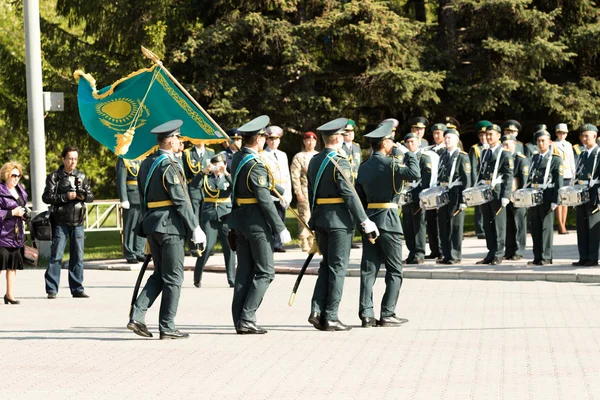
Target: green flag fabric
{"type": "Point", "coordinates": [122, 115]}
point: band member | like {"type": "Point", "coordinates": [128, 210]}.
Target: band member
{"type": "Point", "coordinates": [216, 208]}
{"type": "Point", "coordinates": [516, 221]}
{"type": "Point", "coordinates": [232, 147]}
{"type": "Point", "coordinates": [167, 216]}
{"type": "Point", "coordinates": [588, 217]}
{"type": "Point", "coordinates": [567, 155]}
{"type": "Point", "coordinates": [475, 158]}
{"type": "Point", "coordinates": [547, 176]}
{"type": "Point", "coordinates": [497, 172]}
{"type": "Point", "coordinates": [513, 127]}
{"type": "Point", "coordinates": [431, 216]}
{"type": "Point", "coordinates": [378, 185]}
{"type": "Point", "coordinates": [351, 149]}
{"type": "Point", "coordinates": [129, 195]}
{"type": "Point", "coordinates": [418, 126]}
{"type": "Point", "coordinates": [454, 174]}
{"type": "Point", "coordinates": [255, 221]}
{"type": "Point", "coordinates": [335, 208]}
{"type": "Point", "coordinates": [413, 217]}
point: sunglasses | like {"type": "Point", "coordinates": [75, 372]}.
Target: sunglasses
{"type": "Point", "coordinates": [15, 176]}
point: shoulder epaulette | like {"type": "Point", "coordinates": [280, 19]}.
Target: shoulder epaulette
{"type": "Point", "coordinates": [356, 143]}
{"type": "Point", "coordinates": [475, 145]}
{"type": "Point", "coordinates": [521, 155]}
{"type": "Point", "coordinates": [464, 152]}
{"type": "Point", "coordinates": [208, 148]}
{"type": "Point", "coordinates": [503, 149]}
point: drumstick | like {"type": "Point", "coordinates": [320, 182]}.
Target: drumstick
{"type": "Point", "coordinates": [456, 213]}
{"type": "Point", "coordinates": [416, 212]}
{"type": "Point", "coordinates": [498, 212]}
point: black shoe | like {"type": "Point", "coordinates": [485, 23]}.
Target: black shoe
{"type": "Point", "coordinates": [368, 322]}
{"type": "Point", "coordinates": [535, 262]}
{"type": "Point", "coordinates": [442, 261]}
{"type": "Point", "coordinates": [315, 319]}
{"type": "Point", "coordinates": [433, 256]}
{"type": "Point", "coordinates": [410, 261]}
{"type": "Point", "coordinates": [174, 335]}
{"type": "Point", "coordinates": [579, 263]}
{"type": "Point", "coordinates": [141, 258]}
{"type": "Point", "coordinates": [231, 285]}
{"type": "Point", "coordinates": [132, 261]}
{"type": "Point", "coordinates": [9, 301]}
{"type": "Point", "coordinates": [514, 258]}
{"type": "Point", "coordinates": [481, 236]}
{"type": "Point", "coordinates": [197, 284]}
{"type": "Point", "coordinates": [337, 325]}
{"type": "Point", "coordinates": [591, 264]}
{"type": "Point", "coordinates": [81, 295]}
{"type": "Point", "coordinates": [51, 295]}
{"type": "Point", "coordinates": [248, 327]}
{"type": "Point", "coordinates": [355, 246]}
{"type": "Point", "coordinates": [279, 250]}
{"type": "Point", "coordinates": [496, 261]}
{"type": "Point", "coordinates": [392, 321]}
{"type": "Point", "coordinates": [453, 262]}
{"type": "Point", "coordinates": [485, 261]}
{"type": "Point", "coordinates": [138, 328]}
{"type": "Point", "coordinates": [546, 262]}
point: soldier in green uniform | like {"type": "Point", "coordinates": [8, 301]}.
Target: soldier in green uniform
{"type": "Point", "coordinates": [475, 159]}
{"type": "Point", "coordinates": [547, 176]}
{"type": "Point", "coordinates": [216, 207]}
{"type": "Point", "coordinates": [351, 149]}
{"type": "Point", "coordinates": [496, 171]}
{"type": "Point", "coordinates": [167, 218]}
{"type": "Point", "coordinates": [195, 160]}
{"type": "Point", "coordinates": [378, 186]}
{"type": "Point", "coordinates": [255, 221]}
{"type": "Point", "coordinates": [335, 209]}
{"type": "Point", "coordinates": [454, 173]}
{"type": "Point", "coordinates": [413, 217]}
{"type": "Point", "coordinates": [531, 148]}
{"type": "Point", "coordinates": [516, 221]}
{"type": "Point", "coordinates": [588, 217]}
{"type": "Point", "coordinates": [129, 195]}
{"type": "Point", "coordinates": [418, 126]}
{"type": "Point", "coordinates": [431, 216]}
{"type": "Point", "coordinates": [513, 127]}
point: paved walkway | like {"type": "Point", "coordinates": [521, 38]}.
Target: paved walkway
{"type": "Point", "coordinates": [565, 252]}
{"type": "Point", "coordinates": [466, 339]}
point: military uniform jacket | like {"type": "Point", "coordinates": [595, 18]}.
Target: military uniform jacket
{"type": "Point", "coordinates": [539, 164]}
{"type": "Point", "coordinates": [502, 186]}
{"type": "Point", "coordinates": [530, 149]}
{"type": "Point", "coordinates": [460, 179]}
{"type": "Point", "coordinates": [299, 170]}
{"type": "Point", "coordinates": [415, 184]}
{"type": "Point", "coordinates": [437, 148]}
{"type": "Point", "coordinates": [164, 185]}
{"type": "Point", "coordinates": [127, 185]}
{"type": "Point", "coordinates": [588, 172]}
{"type": "Point", "coordinates": [253, 182]}
{"type": "Point", "coordinates": [229, 154]}
{"type": "Point", "coordinates": [333, 185]}
{"type": "Point", "coordinates": [193, 163]}
{"type": "Point", "coordinates": [217, 197]}
{"type": "Point", "coordinates": [353, 155]}
{"type": "Point", "coordinates": [521, 171]}
{"type": "Point", "coordinates": [379, 181]}
{"type": "Point", "coordinates": [475, 159]}
{"type": "Point", "coordinates": [277, 162]}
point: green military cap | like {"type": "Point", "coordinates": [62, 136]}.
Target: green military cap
{"type": "Point", "coordinates": [451, 123]}
{"type": "Point", "coordinates": [233, 133]}
{"type": "Point", "coordinates": [335, 127]}
{"type": "Point", "coordinates": [511, 125]}
{"type": "Point", "coordinates": [392, 120]}
{"type": "Point", "coordinates": [504, 138]}
{"type": "Point", "coordinates": [384, 131]}
{"type": "Point", "coordinates": [540, 133]}
{"type": "Point", "coordinates": [482, 125]}
{"type": "Point", "coordinates": [168, 129]}
{"type": "Point", "coordinates": [588, 127]}
{"type": "Point", "coordinates": [222, 156]}
{"type": "Point", "coordinates": [451, 132]}
{"type": "Point", "coordinates": [493, 127]}
{"type": "Point", "coordinates": [254, 127]}
{"type": "Point", "coordinates": [418, 122]}
{"type": "Point", "coordinates": [438, 127]}
{"type": "Point", "coordinates": [411, 135]}
{"type": "Point", "coordinates": [350, 125]}
{"type": "Point", "coordinates": [561, 128]}
{"type": "Point", "coordinates": [274, 131]}
{"type": "Point", "coordinates": [540, 127]}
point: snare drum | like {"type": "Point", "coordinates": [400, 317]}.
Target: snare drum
{"type": "Point", "coordinates": [477, 195]}
{"type": "Point", "coordinates": [434, 198]}
{"type": "Point", "coordinates": [573, 196]}
{"type": "Point", "coordinates": [405, 197]}
{"type": "Point", "coordinates": [525, 198]}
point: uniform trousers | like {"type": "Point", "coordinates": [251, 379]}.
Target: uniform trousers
{"type": "Point", "coordinates": [542, 231]}
{"type": "Point", "coordinates": [133, 245]}
{"type": "Point", "coordinates": [494, 227]}
{"type": "Point", "coordinates": [413, 225]}
{"type": "Point", "coordinates": [516, 231]}
{"type": "Point", "coordinates": [588, 232]}
{"type": "Point", "coordinates": [216, 230]}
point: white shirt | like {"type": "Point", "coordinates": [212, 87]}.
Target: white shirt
{"type": "Point", "coordinates": [277, 162]}
{"type": "Point", "coordinates": [566, 152]}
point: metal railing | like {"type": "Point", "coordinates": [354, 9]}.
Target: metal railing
{"type": "Point", "coordinates": [102, 215]}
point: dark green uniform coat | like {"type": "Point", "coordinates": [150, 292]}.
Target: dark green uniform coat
{"type": "Point", "coordinates": [413, 218]}
{"type": "Point", "coordinates": [379, 181]}
{"type": "Point", "coordinates": [216, 208]}
{"type": "Point", "coordinates": [450, 223]}
{"type": "Point", "coordinates": [588, 221]}
{"type": "Point", "coordinates": [127, 190]}
{"type": "Point", "coordinates": [516, 223]}
{"type": "Point", "coordinates": [542, 216]}
{"type": "Point", "coordinates": [254, 224]}
{"type": "Point", "coordinates": [494, 215]}
{"type": "Point", "coordinates": [353, 155]}
{"type": "Point", "coordinates": [333, 225]}
{"type": "Point", "coordinates": [166, 228]}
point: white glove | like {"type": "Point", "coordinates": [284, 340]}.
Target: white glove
{"type": "Point", "coordinates": [198, 236]}
{"type": "Point", "coordinates": [283, 204]}
{"type": "Point", "coordinates": [504, 201]}
{"type": "Point", "coordinates": [369, 226]}
{"type": "Point", "coordinates": [421, 204]}
{"type": "Point", "coordinates": [125, 205]}
{"type": "Point", "coordinates": [462, 206]}
{"type": "Point", "coordinates": [285, 236]}
{"type": "Point", "coordinates": [553, 206]}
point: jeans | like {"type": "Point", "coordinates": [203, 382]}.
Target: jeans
{"type": "Point", "coordinates": [59, 240]}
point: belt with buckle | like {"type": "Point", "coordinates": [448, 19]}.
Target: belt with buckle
{"type": "Point", "coordinates": [382, 205]}
{"type": "Point", "coordinates": [249, 200]}
{"type": "Point", "coordinates": [158, 204]}
{"type": "Point", "coordinates": [131, 182]}
{"type": "Point", "coordinates": [330, 200]}
{"type": "Point", "coordinates": [218, 200]}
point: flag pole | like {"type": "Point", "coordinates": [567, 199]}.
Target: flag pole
{"type": "Point", "coordinates": [149, 54]}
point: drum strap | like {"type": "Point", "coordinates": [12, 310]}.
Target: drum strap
{"type": "Point", "coordinates": [451, 182]}
{"type": "Point", "coordinates": [547, 172]}
{"type": "Point", "coordinates": [495, 175]}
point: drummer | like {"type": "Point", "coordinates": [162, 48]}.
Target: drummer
{"type": "Point", "coordinates": [516, 224]}
{"type": "Point", "coordinates": [513, 127]}
{"type": "Point", "coordinates": [547, 176]}
{"type": "Point", "coordinates": [497, 172]}
{"type": "Point", "coordinates": [454, 173]}
{"type": "Point", "coordinates": [588, 219]}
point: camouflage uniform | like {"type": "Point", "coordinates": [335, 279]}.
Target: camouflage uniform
{"type": "Point", "coordinates": [298, 171]}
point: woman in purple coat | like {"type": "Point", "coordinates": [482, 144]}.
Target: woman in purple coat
{"type": "Point", "coordinates": [12, 209]}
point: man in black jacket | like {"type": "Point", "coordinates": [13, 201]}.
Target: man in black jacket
{"type": "Point", "coordinates": [66, 191]}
